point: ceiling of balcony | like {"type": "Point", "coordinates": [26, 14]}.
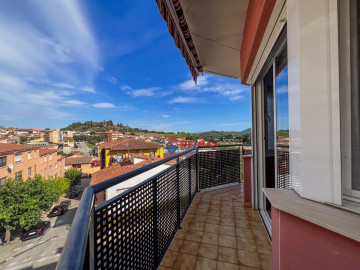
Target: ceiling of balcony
{"type": "Point", "coordinates": [217, 29]}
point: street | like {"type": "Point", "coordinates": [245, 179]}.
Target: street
{"type": "Point", "coordinates": [83, 148]}
{"type": "Point", "coordinates": [42, 252]}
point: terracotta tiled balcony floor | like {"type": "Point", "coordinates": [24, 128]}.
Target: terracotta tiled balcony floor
{"type": "Point", "coordinates": [219, 233]}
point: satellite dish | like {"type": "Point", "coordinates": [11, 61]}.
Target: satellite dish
{"type": "Point", "coordinates": [11, 166]}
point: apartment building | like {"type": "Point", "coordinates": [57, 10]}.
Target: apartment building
{"type": "Point", "coordinates": [68, 141]}
{"type": "Point", "coordinates": [111, 136]}
{"type": "Point", "coordinates": [116, 151]}
{"type": "Point", "coordinates": [65, 133]}
{"type": "Point", "coordinates": [51, 135]}
{"type": "Point", "coordinates": [27, 160]}
{"type": "Point", "coordinates": [50, 163]}
{"type": "Point", "coordinates": [87, 165]}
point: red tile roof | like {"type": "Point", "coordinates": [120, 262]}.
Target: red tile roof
{"type": "Point", "coordinates": [129, 144]}
{"type": "Point", "coordinates": [68, 139]}
{"type": "Point", "coordinates": [11, 148]}
{"type": "Point", "coordinates": [77, 160]}
{"type": "Point", "coordinates": [116, 170]}
{"type": "Point", "coordinates": [139, 156]}
{"type": "Point", "coordinates": [44, 151]}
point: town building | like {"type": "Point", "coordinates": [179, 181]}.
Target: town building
{"type": "Point", "coordinates": [111, 136]}
{"type": "Point", "coordinates": [51, 135]}
{"type": "Point", "coordinates": [18, 160]}
{"type": "Point", "coordinates": [65, 133]}
{"type": "Point", "coordinates": [68, 141]}
{"type": "Point", "coordinates": [87, 165]}
{"type": "Point", "coordinates": [116, 151]}
{"type": "Point", "coordinates": [50, 163]}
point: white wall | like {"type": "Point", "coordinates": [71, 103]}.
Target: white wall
{"type": "Point", "coordinates": [314, 99]}
{"type": "Point", "coordinates": [112, 192]}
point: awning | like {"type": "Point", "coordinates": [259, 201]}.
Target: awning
{"type": "Point", "coordinates": [208, 33]}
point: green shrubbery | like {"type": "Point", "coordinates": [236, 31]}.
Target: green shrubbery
{"type": "Point", "coordinates": [22, 202]}
{"type": "Point", "coordinates": [74, 176]}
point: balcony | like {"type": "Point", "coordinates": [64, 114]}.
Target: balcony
{"type": "Point", "coordinates": [189, 215]}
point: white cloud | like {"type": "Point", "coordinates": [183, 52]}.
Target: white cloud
{"type": "Point", "coordinates": [165, 115]}
{"type": "Point", "coordinates": [145, 92]}
{"type": "Point", "coordinates": [111, 79]}
{"type": "Point", "coordinates": [88, 89]}
{"type": "Point", "coordinates": [47, 53]}
{"type": "Point", "coordinates": [125, 87]}
{"type": "Point", "coordinates": [183, 100]}
{"type": "Point", "coordinates": [190, 84]}
{"type": "Point", "coordinates": [104, 105]}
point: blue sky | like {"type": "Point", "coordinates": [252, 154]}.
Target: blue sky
{"type": "Point", "coordinates": [69, 61]}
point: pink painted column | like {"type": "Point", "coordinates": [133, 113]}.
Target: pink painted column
{"type": "Point", "coordinates": [247, 180]}
{"type": "Point", "coordinates": [298, 244]}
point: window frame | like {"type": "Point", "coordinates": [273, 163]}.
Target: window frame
{"type": "Point", "coordinates": [3, 157]}
{"type": "Point", "coordinates": [19, 161]}
{"type": "Point", "coordinates": [2, 179]}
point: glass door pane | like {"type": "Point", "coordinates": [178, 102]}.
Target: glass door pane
{"type": "Point", "coordinates": [282, 121]}
{"type": "Point", "coordinates": [269, 137]}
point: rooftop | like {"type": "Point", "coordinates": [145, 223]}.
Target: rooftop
{"type": "Point", "coordinates": [77, 160]}
{"type": "Point", "coordinates": [129, 144]}
{"type": "Point", "coordinates": [116, 170]}
{"type": "Point", "coordinates": [46, 151]}
{"type": "Point", "coordinates": [68, 138]}
{"type": "Point", "coordinates": [11, 148]}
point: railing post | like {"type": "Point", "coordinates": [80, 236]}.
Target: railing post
{"type": "Point", "coordinates": [178, 191]}
{"type": "Point", "coordinates": [155, 241]}
{"type": "Point", "coordinates": [240, 147]}
{"type": "Point", "coordinates": [221, 166]}
{"type": "Point", "coordinates": [189, 181]}
{"type": "Point", "coordinates": [197, 170]}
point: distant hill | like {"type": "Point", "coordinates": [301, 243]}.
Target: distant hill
{"type": "Point", "coordinates": [218, 134]}
{"type": "Point", "coordinates": [110, 125]}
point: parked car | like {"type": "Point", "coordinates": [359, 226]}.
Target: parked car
{"type": "Point", "coordinates": [65, 203]}
{"type": "Point", "coordinates": [58, 210]}
{"type": "Point", "coordinates": [36, 231]}
{"type": "Point", "coordinates": [75, 193]}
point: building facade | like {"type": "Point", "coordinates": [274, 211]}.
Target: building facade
{"type": "Point", "coordinates": [51, 135]}
{"type": "Point", "coordinates": [27, 160]}
{"type": "Point", "coordinates": [111, 136]}
{"type": "Point", "coordinates": [115, 152]}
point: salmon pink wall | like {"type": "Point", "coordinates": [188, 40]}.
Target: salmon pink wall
{"type": "Point", "coordinates": [298, 245]}
{"type": "Point", "coordinates": [247, 180]}
{"type": "Point", "coordinates": [257, 18]}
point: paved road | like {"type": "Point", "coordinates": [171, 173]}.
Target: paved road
{"type": "Point", "coordinates": [43, 252]}
{"type": "Point", "coordinates": [83, 148]}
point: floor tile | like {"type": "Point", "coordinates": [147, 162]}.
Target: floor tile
{"type": "Point", "coordinates": [213, 220]}
{"type": "Point", "coordinates": [176, 244]}
{"type": "Point", "coordinates": [208, 251]}
{"type": "Point", "coordinates": [227, 241]}
{"type": "Point", "coordinates": [249, 258]}
{"type": "Point", "coordinates": [263, 247]}
{"type": "Point", "coordinates": [169, 258]}
{"type": "Point", "coordinates": [195, 236]}
{"type": "Point", "coordinates": [185, 262]}
{"type": "Point", "coordinates": [260, 235]}
{"type": "Point", "coordinates": [190, 247]}
{"type": "Point", "coordinates": [205, 264]}
{"type": "Point", "coordinates": [227, 266]}
{"type": "Point", "coordinates": [210, 238]}
{"type": "Point", "coordinates": [265, 260]}
{"type": "Point", "coordinates": [212, 228]}
{"type": "Point", "coordinates": [199, 218]}
{"type": "Point", "coordinates": [245, 233]}
{"type": "Point", "coordinates": [229, 255]}
{"type": "Point", "coordinates": [227, 230]}
{"type": "Point", "coordinates": [197, 226]}
{"type": "Point", "coordinates": [246, 244]}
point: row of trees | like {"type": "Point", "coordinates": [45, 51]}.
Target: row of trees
{"type": "Point", "coordinates": [22, 202]}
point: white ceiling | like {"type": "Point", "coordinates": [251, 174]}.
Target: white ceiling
{"type": "Point", "coordinates": [216, 28]}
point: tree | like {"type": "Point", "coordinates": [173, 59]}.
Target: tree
{"type": "Point", "coordinates": [21, 202]}
{"type": "Point", "coordinates": [74, 176]}
{"type": "Point", "coordinates": [23, 140]}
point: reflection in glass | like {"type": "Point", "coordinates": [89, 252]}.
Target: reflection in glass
{"type": "Point", "coordinates": [282, 121]}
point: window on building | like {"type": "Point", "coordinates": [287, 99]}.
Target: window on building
{"type": "Point", "coordinates": [140, 152]}
{"type": "Point", "coordinates": [29, 155]}
{"type": "Point", "coordinates": [44, 171]}
{"type": "Point", "coordinates": [29, 171]}
{"type": "Point", "coordinates": [50, 157]}
{"type": "Point", "coordinates": [50, 169]}
{"type": "Point", "coordinates": [349, 48]}
{"type": "Point", "coordinates": [18, 175]}
{"type": "Point", "coordinates": [2, 181]}
{"type": "Point", "coordinates": [17, 158]}
{"type": "Point", "coordinates": [35, 169]}
{"type": "Point", "coordinates": [2, 162]}
{"type": "Point", "coordinates": [45, 159]}
{"type": "Point", "coordinates": [56, 166]}
{"type": "Point", "coordinates": [152, 153]}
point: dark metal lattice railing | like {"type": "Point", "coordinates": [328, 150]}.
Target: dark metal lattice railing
{"type": "Point", "coordinates": [134, 229]}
